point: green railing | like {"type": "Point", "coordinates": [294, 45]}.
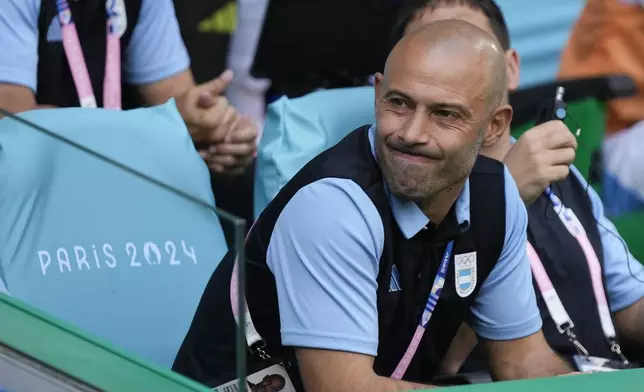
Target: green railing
{"type": "Point", "coordinates": [103, 367]}
{"type": "Point", "coordinates": [74, 353]}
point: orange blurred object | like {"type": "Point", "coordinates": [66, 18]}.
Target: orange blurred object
{"type": "Point", "coordinates": [608, 39]}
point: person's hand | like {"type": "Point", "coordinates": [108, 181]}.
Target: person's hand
{"type": "Point", "coordinates": [541, 156]}
{"type": "Point", "coordinates": [208, 115]}
{"type": "Point", "coordinates": [236, 151]}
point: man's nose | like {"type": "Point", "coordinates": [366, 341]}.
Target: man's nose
{"type": "Point", "coordinates": [415, 130]}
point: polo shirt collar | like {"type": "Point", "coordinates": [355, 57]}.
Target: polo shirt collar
{"type": "Point", "coordinates": [409, 217]}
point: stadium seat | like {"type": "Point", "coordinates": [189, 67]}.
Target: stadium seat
{"type": "Point", "coordinates": [298, 129]}
{"type": "Point", "coordinates": [92, 244]}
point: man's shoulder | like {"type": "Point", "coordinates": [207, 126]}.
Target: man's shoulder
{"type": "Point", "coordinates": [341, 200]}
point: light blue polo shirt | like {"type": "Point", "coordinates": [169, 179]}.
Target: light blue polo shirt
{"type": "Point", "coordinates": [326, 273]}
{"type": "Point", "coordinates": [155, 51]}
{"type": "Point", "coordinates": [96, 246]}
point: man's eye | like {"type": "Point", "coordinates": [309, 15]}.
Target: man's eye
{"type": "Point", "coordinates": [446, 114]}
{"type": "Point", "coordinates": [398, 103]}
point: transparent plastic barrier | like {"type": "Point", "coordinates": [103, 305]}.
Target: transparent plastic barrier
{"type": "Point", "coordinates": [37, 349]}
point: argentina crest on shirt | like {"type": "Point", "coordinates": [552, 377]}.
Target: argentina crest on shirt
{"type": "Point", "coordinates": [465, 271]}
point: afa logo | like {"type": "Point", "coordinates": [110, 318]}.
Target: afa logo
{"type": "Point", "coordinates": [465, 270]}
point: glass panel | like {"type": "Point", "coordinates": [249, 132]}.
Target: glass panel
{"type": "Point", "coordinates": [92, 222]}
{"type": "Point", "coordinates": [21, 373]}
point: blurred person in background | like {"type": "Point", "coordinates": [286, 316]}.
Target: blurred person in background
{"type": "Point", "coordinates": [609, 39]}
{"type": "Point", "coordinates": [59, 53]}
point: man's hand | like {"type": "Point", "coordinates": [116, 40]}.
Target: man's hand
{"type": "Point", "coordinates": [235, 152]}
{"type": "Point", "coordinates": [541, 156]}
{"type": "Point", "coordinates": [207, 114]}
{"type": "Point", "coordinates": [225, 139]}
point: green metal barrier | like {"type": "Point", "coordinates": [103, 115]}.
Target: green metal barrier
{"type": "Point", "coordinates": [97, 364]}
{"type": "Point", "coordinates": [86, 359]}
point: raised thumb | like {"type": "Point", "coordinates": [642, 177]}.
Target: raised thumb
{"type": "Point", "coordinates": [219, 84]}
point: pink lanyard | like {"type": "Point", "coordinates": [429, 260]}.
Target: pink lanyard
{"type": "Point", "coordinates": [116, 24]}
{"type": "Point", "coordinates": [432, 301]}
{"type": "Point", "coordinates": [551, 298]}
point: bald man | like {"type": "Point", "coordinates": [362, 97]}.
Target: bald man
{"type": "Point", "coordinates": [361, 270]}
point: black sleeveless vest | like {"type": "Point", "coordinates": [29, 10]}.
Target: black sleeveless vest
{"type": "Point", "coordinates": [208, 350]}
{"type": "Point", "coordinates": [55, 83]}
{"type": "Point", "coordinates": [567, 267]}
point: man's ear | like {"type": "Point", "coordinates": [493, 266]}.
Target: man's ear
{"type": "Point", "coordinates": [377, 83]}
{"type": "Point", "coordinates": [499, 125]}
{"type": "Point", "coordinates": [513, 67]}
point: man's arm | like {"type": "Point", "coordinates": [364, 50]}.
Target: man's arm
{"type": "Point", "coordinates": [623, 274]}
{"type": "Point", "coordinates": [324, 371]}
{"type": "Point", "coordinates": [461, 347]}
{"type": "Point", "coordinates": [19, 60]}
{"type": "Point", "coordinates": [157, 60]}
{"type": "Point", "coordinates": [630, 321]}
{"type": "Point", "coordinates": [161, 91]}
{"type": "Point", "coordinates": [528, 357]}
{"type": "Point", "coordinates": [325, 253]}
{"type": "Point", "coordinates": [505, 315]}
{"type": "Point", "coordinates": [16, 99]}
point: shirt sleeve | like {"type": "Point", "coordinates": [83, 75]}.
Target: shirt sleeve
{"type": "Point", "coordinates": [325, 252]}
{"type": "Point", "coordinates": [19, 42]}
{"type": "Point", "coordinates": [623, 274]}
{"type": "Point", "coordinates": [156, 50]}
{"type": "Point", "coordinates": [506, 306]}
